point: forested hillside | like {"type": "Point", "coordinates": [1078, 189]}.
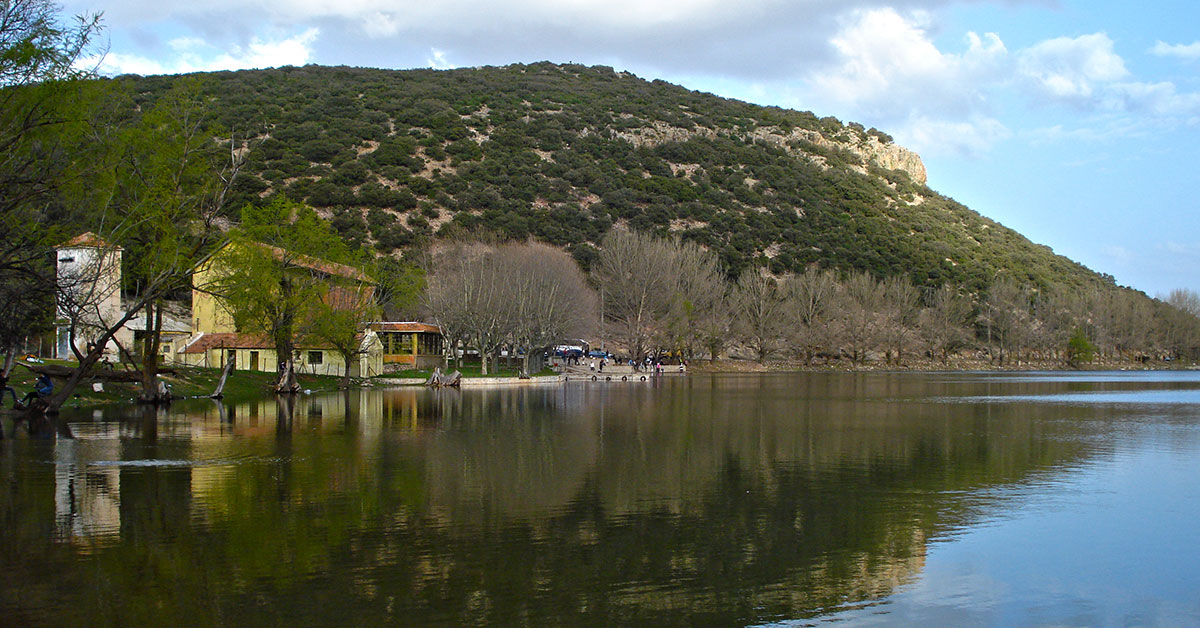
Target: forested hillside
{"type": "Point", "coordinates": [563, 152]}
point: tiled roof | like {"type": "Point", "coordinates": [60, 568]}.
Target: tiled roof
{"type": "Point", "coordinates": [405, 326]}
{"type": "Point", "coordinates": [228, 341]}
{"type": "Point", "coordinates": [320, 265]}
{"type": "Point", "coordinates": [299, 260]}
{"type": "Point", "coordinates": [88, 239]}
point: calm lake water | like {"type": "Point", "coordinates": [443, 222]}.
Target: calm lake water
{"type": "Point", "coordinates": [880, 499]}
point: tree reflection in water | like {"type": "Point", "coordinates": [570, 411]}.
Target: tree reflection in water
{"type": "Point", "coordinates": [721, 501]}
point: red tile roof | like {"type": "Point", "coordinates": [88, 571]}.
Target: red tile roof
{"type": "Point", "coordinates": [228, 341]}
{"type": "Point", "coordinates": [320, 265]}
{"type": "Point", "coordinates": [292, 258]}
{"type": "Point", "coordinates": [87, 239]}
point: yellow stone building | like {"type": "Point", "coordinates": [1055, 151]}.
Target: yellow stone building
{"type": "Point", "coordinates": [216, 339]}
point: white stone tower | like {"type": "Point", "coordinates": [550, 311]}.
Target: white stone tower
{"type": "Point", "coordinates": [89, 277]}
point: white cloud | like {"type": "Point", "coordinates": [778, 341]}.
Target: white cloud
{"type": "Point", "coordinates": [437, 60]}
{"type": "Point", "coordinates": [192, 54]}
{"type": "Point", "coordinates": [885, 58]}
{"type": "Point", "coordinates": [1190, 52]}
{"type": "Point", "coordinates": [888, 70]}
{"type": "Point", "coordinates": [1071, 69]}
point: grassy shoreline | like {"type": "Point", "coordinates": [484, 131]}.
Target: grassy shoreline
{"type": "Point", "coordinates": [191, 382]}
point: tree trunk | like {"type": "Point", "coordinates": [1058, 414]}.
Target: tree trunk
{"type": "Point", "coordinates": [152, 391]}
{"type": "Point", "coordinates": [287, 379]}
{"type": "Point", "coordinates": [217, 394]}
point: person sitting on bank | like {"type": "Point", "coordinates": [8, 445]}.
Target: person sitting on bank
{"type": "Point", "coordinates": [42, 388]}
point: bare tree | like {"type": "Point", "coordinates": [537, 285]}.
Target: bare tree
{"type": "Point", "coordinates": [1184, 300]}
{"type": "Point", "coordinates": [526, 296]}
{"type": "Point", "coordinates": [862, 302]}
{"type": "Point", "coordinates": [943, 322]}
{"type": "Point", "coordinates": [1006, 316]}
{"type": "Point", "coordinates": [637, 275]}
{"type": "Point", "coordinates": [812, 311]}
{"type": "Point", "coordinates": [547, 297]}
{"type": "Point", "coordinates": [698, 313]}
{"type": "Point", "coordinates": [1179, 324]}
{"type": "Point", "coordinates": [465, 296]}
{"type": "Point", "coordinates": [1056, 318]}
{"type": "Point", "coordinates": [759, 309]}
{"type": "Point", "coordinates": [898, 318]}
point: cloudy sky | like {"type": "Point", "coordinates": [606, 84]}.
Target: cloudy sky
{"type": "Point", "coordinates": [1076, 122]}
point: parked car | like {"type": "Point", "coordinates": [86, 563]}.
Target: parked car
{"type": "Point", "coordinates": [599, 354]}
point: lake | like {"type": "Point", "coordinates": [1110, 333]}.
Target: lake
{"type": "Point", "coordinates": [860, 499]}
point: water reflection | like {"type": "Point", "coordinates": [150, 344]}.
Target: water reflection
{"type": "Point", "coordinates": [724, 501]}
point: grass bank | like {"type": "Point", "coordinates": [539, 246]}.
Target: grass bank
{"type": "Point", "coordinates": [184, 382]}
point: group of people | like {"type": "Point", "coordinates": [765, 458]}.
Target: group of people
{"type": "Point", "coordinates": [42, 389]}
{"type": "Point", "coordinates": [654, 366]}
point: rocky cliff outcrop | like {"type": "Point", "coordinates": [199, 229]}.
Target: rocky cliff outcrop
{"type": "Point", "coordinates": [868, 147]}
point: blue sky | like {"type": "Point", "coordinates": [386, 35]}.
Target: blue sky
{"type": "Point", "coordinates": [1076, 123]}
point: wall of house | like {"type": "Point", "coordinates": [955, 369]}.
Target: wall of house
{"type": "Point", "coordinates": [207, 314]}
{"type": "Point", "coordinates": [93, 276]}
{"type": "Point", "coordinates": [331, 363]}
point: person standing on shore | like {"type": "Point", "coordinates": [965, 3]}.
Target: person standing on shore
{"type": "Point", "coordinates": [5, 388]}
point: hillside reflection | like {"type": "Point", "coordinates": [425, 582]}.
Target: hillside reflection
{"type": "Point", "coordinates": [698, 501]}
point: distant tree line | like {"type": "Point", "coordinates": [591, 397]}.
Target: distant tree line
{"type": "Point", "coordinates": [667, 296]}
{"type": "Point", "coordinates": [519, 297]}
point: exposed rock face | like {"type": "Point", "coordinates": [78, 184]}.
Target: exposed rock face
{"type": "Point", "coordinates": [889, 156]}
{"type": "Point", "coordinates": [893, 157]}
{"type": "Point", "coordinates": [870, 149]}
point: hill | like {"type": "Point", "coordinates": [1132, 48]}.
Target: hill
{"type": "Point", "coordinates": [563, 152]}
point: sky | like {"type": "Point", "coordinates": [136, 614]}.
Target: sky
{"type": "Point", "coordinates": [1075, 122]}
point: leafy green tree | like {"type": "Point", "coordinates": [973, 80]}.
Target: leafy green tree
{"type": "Point", "coordinates": [338, 318]}
{"type": "Point", "coordinates": [39, 87]}
{"type": "Point", "coordinates": [1080, 350]}
{"type": "Point", "coordinates": [283, 260]}
{"type": "Point", "coordinates": [159, 181]}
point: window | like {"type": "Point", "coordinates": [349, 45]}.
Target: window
{"type": "Point", "coordinates": [316, 357]}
